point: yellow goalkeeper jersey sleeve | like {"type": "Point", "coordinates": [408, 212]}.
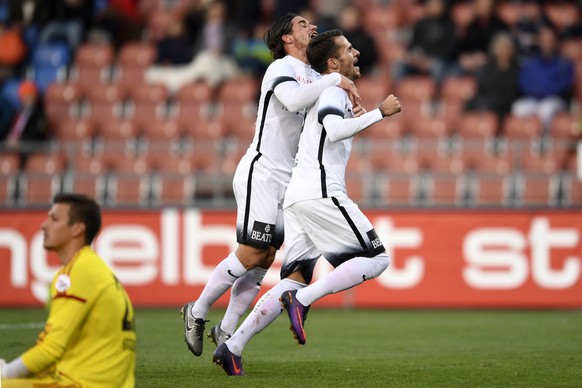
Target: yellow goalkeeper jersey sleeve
{"type": "Point", "coordinates": [89, 335]}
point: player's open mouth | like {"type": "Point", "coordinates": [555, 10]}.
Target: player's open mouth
{"type": "Point", "coordinates": [313, 34]}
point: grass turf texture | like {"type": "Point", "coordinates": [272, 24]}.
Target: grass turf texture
{"type": "Point", "coordinates": [418, 348]}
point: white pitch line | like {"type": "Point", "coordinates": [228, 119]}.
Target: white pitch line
{"type": "Point", "coordinates": [18, 326]}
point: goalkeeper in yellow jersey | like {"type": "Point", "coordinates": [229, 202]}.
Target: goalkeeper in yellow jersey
{"type": "Point", "coordinates": [89, 336]}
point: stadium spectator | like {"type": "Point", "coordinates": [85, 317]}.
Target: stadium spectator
{"type": "Point", "coordinates": [118, 22]}
{"type": "Point", "coordinates": [319, 216]}
{"type": "Point", "coordinates": [350, 23]}
{"type": "Point", "coordinates": [284, 7]}
{"type": "Point", "coordinates": [432, 45]}
{"type": "Point", "coordinates": [474, 44]}
{"type": "Point", "coordinates": [29, 17]}
{"type": "Point", "coordinates": [193, 19]}
{"type": "Point", "coordinates": [6, 114]}
{"type": "Point", "coordinates": [531, 19]}
{"type": "Point", "coordinates": [252, 54]}
{"type": "Point", "coordinates": [89, 336]}
{"type": "Point", "coordinates": [29, 121]}
{"type": "Point", "coordinates": [213, 60]}
{"type": "Point", "coordinates": [175, 47]}
{"type": "Point", "coordinates": [12, 53]}
{"type": "Point", "coordinates": [289, 87]}
{"type": "Point", "coordinates": [545, 80]}
{"type": "Point", "coordinates": [497, 85]}
{"type": "Point", "coordinates": [68, 22]}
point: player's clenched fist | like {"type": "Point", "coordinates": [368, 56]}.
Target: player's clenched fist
{"type": "Point", "coordinates": [390, 106]}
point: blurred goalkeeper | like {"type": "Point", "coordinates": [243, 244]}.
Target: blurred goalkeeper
{"type": "Point", "coordinates": [89, 336]}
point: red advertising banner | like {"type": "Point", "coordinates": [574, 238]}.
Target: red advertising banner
{"type": "Point", "coordinates": [523, 259]}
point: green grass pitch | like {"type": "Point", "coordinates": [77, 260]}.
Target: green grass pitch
{"type": "Point", "coordinates": [394, 348]}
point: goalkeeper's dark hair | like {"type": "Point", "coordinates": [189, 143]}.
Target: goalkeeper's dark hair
{"type": "Point", "coordinates": [321, 48]}
{"type": "Point", "coordinates": [273, 36]}
{"type": "Point", "coordinates": [83, 209]}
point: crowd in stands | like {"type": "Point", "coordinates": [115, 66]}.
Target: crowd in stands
{"type": "Point", "coordinates": [88, 66]}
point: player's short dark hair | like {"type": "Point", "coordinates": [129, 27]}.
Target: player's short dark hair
{"type": "Point", "coordinates": [321, 48]}
{"type": "Point", "coordinates": [83, 209]}
{"type": "Point", "coordinates": [273, 36]}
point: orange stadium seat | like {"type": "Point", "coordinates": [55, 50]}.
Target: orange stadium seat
{"type": "Point", "coordinates": [236, 103]}
{"type": "Point", "coordinates": [42, 178]}
{"type": "Point", "coordinates": [61, 102]}
{"type": "Point", "coordinates": [147, 103]}
{"type": "Point", "coordinates": [397, 189]}
{"type": "Point", "coordinates": [444, 189]}
{"type": "Point", "coordinates": [372, 90]}
{"type": "Point", "coordinates": [492, 189]}
{"type": "Point", "coordinates": [193, 102]}
{"type": "Point", "coordinates": [88, 176]}
{"type": "Point", "coordinates": [202, 135]}
{"type": "Point", "coordinates": [421, 88]}
{"type": "Point", "coordinates": [458, 89]}
{"type": "Point", "coordinates": [573, 191]}
{"type": "Point", "coordinates": [548, 162]}
{"type": "Point", "coordinates": [391, 128]}
{"type": "Point", "coordinates": [136, 55]}
{"type": "Point", "coordinates": [480, 160]}
{"type": "Point", "coordinates": [173, 180]}
{"type": "Point", "coordinates": [538, 189]}
{"type": "Point", "coordinates": [9, 170]}
{"type": "Point", "coordinates": [523, 132]}
{"type": "Point", "coordinates": [130, 180]}
{"type": "Point", "coordinates": [103, 103]}
{"type": "Point", "coordinates": [565, 126]}
{"type": "Point", "coordinates": [477, 130]}
{"type": "Point", "coordinates": [161, 135]}
{"type": "Point", "coordinates": [92, 64]}
{"type": "Point", "coordinates": [430, 127]}
{"type": "Point", "coordinates": [117, 136]}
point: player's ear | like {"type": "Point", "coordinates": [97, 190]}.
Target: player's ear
{"type": "Point", "coordinates": [287, 39]}
{"type": "Point", "coordinates": [333, 64]}
{"type": "Point", "coordinates": [78, 229]}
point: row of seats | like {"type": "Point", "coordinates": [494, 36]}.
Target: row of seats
{"type": "Point", "coordinates": [147, 109]}
{"type": "Point", "coordinates": [155, 188]}
{"type": "Point", "coordinates": [376, 176]}
{"type": "Point", "coordinates": [212, 155]}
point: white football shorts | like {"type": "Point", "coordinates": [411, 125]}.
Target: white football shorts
{"type": "Point", "coordinates": [259, 196]}
{"type": "Point", "coordinates": [334, 227]}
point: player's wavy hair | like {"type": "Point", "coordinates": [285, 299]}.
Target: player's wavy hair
{"type": "Point", "coordinates": [321, 48]}
{"type": "Point", "coordinates": [273, 36]}
{"type": "Point", "coordinates": [83, 209]}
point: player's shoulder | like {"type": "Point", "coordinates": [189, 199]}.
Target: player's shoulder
{"type": "Point", "coordinates": [334, 93]}
{"type": "Point", "coordinates": [89, 262]}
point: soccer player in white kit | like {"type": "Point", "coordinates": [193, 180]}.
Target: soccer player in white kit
{"type": "Point", "coordinates": [320, 219]}
{"type": "Point", "coordinates": [289, 86]}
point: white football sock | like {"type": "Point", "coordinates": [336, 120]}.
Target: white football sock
{"type": "Point", "coordinates": [347, 275]}
{"type": "Point", "coordinates": [265, 311]}
{"type": "Point", "coordinates": [242, 294]}
{"type": "Point", "coordinates": [222, 278]}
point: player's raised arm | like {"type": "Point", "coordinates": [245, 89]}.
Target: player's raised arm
{"type": "Point", "coordinates": [340, 128]}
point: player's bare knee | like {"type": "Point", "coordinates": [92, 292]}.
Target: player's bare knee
{"type": "Point", "coordinates": [251, 257]}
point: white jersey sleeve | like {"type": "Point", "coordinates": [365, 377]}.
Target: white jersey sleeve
{"type": "Point", "coordinates": [295, 96]}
